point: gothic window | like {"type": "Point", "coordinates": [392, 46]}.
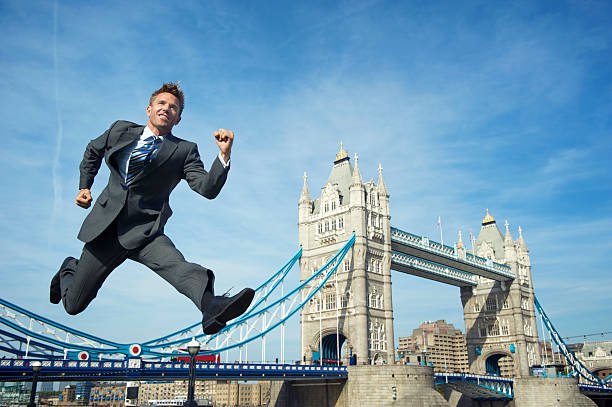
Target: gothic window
{"type": "Point", "coordinates": [347, 266]}
{"type": "Point", "coordinates": [525, 303]}
{"type": "Point", "coordinates": [317, 305]}
{"type": "Point", "coordinates": [330, 301]}
{"type": "Point", "coordinates": [483, 331]}
{"type": "Point", "coordinates": [333, 224]}
{"type": "Point", "coordinates": [523, 275]}
{"type": "Point", "coordinates": [344, 300]}
{"type": "Point", "coordinates": [531, 358]}
{"type": "Point", "coordinates": [341, 222]}
{"type": "Point", "coordinates": [377, 336]}
{"type": "Point", "coordinates": [320, 228]}
{"type": "Point", "coordinates": [327, 226]}
{"type": "Point", "coordinates": [493, 329]}
{"type": "Point", "coordinates": [505, 329]}
{"type": "Point", "coordinates": [527, 328]}
{"type": "Point", "coordinates": [379, 265]}
{"type": "Point", "coordinates": [476, 306]}
{"type": "Point", "coordinates": [491, 304]}
{"type": "Point", "coordinates": [333, 205]}
{"type": "Point", "coordinates": [506, 304]}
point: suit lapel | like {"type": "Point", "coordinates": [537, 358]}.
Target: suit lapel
{"type": "Point", "coordinates": [123, 139]}
{"type": "Point", "coordinates": [164, 153]}
{"type": "Point", "coordinates": [126, 138]}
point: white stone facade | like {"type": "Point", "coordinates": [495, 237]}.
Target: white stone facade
{"type": "Point", "coordinates": [355, 305]}
{"type": "Point", "coordinates": [500, 318]}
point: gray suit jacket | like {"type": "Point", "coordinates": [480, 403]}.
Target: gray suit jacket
{"type": "Point", "coordinates": [142, 208]}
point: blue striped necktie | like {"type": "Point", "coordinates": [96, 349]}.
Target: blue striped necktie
{"type": "Point", "coordinates": [141, 156]}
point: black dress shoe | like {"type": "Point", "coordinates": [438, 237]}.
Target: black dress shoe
{"type": "Point", "coordinates": [217, 310]}
{"type": "Point", "coordinates": [55, 291]}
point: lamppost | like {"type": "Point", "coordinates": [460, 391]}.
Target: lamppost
{"type": "Point", "coordinates": [36, 365]}
{"type": "Point", "coordinates": [193, 347]}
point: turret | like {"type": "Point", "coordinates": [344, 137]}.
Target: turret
{"type": "Point", "coordinates": [460, 247]}
{"type": "Point", "coordinates": [509, 251]}
{"type": "Point", "coordinates": [357, 190]}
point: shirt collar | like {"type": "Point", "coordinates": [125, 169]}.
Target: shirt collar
{"type": "Point", "coordinates": [148, 133]}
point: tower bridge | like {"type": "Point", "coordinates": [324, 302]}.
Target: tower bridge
{"type": "Point", "coordinates": [348, 249]}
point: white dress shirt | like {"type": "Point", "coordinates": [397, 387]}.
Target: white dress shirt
{"type": "Point", "coordinates": [123, 155]}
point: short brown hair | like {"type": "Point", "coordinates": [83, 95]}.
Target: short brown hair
{"type": "Point", "coordinates": [173, 89]}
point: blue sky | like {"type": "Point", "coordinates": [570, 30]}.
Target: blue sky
{"type": "Point", "coordinates": [467, 106]}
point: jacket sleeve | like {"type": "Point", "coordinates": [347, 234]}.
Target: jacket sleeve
{"type": "Point", "coordinates": [92, 158]}
{"type": "Point", "coordinates": [207, 184]}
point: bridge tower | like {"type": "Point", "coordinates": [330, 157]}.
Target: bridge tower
{"type": "Point", "coordinates": [500, 317]}
{"type": "Point", "coordinates": [353, 312]}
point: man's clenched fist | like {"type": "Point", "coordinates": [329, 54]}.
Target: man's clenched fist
{"type": "Point", "coordinates": [83, 198]}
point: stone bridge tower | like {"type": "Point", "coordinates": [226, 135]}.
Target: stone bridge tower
{"type": "Point", "coordinates": [500, 317]}
{"type": "Point", "coordinates": [353, 312]}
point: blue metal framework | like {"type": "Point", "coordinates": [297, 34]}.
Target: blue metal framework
{"type": "Point", "coordinates": [423, 248]}
{"type": "Point", "coordinates": [477, 387]}
{"type": "Point", "coordinates": [12, 370]}
{"type": "Point", "coordinates": [579, 368]}
{"type": "Point", "coordinates": [30, 334]}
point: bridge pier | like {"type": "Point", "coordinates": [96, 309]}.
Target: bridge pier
{"type": "Point", "coordinates": [458, 399]}
{"type": "Point", "coordinates": [549, 392]}
{"type": "Point", "coordinates": [366, 386]}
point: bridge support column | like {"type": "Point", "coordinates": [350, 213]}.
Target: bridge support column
{"type": "Point", "coordinates": [549, 392]}
{"type": "Point", "coordinates": [391, 385]}
{"type": "Point", "coordinates": [307, 393]}
{"type": "Point", "coordinates": [366, 386]}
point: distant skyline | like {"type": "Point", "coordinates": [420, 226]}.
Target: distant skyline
{"type": "Point", "coordinates": [467, 106]}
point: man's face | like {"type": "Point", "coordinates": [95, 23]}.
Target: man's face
{"type": "Point", "coordinates": [164, 112]}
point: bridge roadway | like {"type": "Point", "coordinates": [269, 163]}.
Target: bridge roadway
{"type": "Point", "coordinates": [422, 248]}
{"type": "Point", "coordinates": [12, 370]}
{"type": "Point", "coordinates": [478, 387]}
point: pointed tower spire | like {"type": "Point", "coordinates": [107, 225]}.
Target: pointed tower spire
{"type": "Point", "coordinates": [488, 219]}
{"type": "Point", "coordinates": [521, 241]}
{"type": "Point", "coordinates": [356, 180]}
{"type": "Point", "coordinates": [508, 237]}
{"type": "Point", "coordinates": [305, 196]}
{"type": "Point", "coordinates": [342, 155]}
{"type": "Point", "coordinates": [509, 249]}
{"type": "Point", "coordinates": [382, 188]}
{"type": "Point", "coordinates": [460, 242]}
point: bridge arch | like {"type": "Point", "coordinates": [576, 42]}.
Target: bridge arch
{"type": "Point", "coordinates": [328, 339]}
{"type": "Point", "coordinates": [498, 362]}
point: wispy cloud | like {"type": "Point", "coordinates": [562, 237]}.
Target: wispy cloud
{"type": "Point", "coordinates": [466, 107]}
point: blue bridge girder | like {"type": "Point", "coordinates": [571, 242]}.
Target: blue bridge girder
{"type": "Point", "coordinates": [433, 271]}
{"type": "Point", "coordinates": [14, 370]}
{"type": "Point", "coordinates": [423, 248]}
{"type": "Point", "coordinates": [477, 387]}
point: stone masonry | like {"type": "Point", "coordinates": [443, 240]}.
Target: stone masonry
{"type": "Point", "coordinates": [354, 308]}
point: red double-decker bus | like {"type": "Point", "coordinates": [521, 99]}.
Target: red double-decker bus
{"type": "Point", "coordinates": [211, 358]}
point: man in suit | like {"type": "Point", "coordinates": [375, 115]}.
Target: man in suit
{"type": "Point", "coordinates": [127, 220]}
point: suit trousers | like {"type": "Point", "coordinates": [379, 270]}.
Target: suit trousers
{"type": "Point", "coordinates": [81, 279]}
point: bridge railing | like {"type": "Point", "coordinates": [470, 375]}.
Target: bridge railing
{"type": "Point", "coordinates": [579, 368]}
{"type": "Point", "coordinates": [424, 243]}
{"type": "Point", "coordinates": [434, 268]}
{"type": "Point", "coordinates": [20, 369]}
